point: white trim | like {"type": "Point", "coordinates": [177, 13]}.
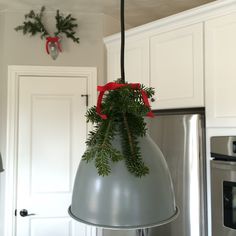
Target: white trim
{"type": "Point", "coordinates": [91, 231]}
{"type": "Point", "coordinates": [99, 232]}
{"type": "Point", "coordinates": [14, 74]}
{"type": "Point", "coordinates": [188, 17]}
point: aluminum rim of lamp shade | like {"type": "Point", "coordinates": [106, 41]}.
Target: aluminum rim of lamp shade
{"type": "Point", "coordinates": [121, 200]}
{"type": "Point", "coordinates": [1, 165]}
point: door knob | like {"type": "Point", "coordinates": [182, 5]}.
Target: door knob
{"type": "Point", "coordinates": [25, 213]}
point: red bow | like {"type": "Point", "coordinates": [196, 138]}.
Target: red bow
{"type": "Point", "coordinates": [113, 86]}
{"type": "Point", "coordinates": [53, 40]}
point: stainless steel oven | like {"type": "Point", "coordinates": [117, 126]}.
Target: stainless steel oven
{"type": "Point", "coordinates": [223, 185]}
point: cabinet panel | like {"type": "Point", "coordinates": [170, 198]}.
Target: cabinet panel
{"type": "Point", "coordinates": [136, 61]}
{"type": "Point", "coordinates": [221, 71]}
{"type": "Point", "coordinates": [177, 68]}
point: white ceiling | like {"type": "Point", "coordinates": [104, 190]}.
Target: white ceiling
{"type": "Point", "coordinates": [137, 12]}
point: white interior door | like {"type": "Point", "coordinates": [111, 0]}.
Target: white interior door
{"type": "Point", "coordinates": [51, 140]}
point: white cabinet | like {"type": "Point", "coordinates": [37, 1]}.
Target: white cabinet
{"type": "Point", "coordinates": [136, 61]}
{"type": "Point", "coordinates": [190, 55]}
{"type": "Point", "coordinates": [220, 49]}
{"type": "Point", "coordinates": [176, 54]}
{"type": "Point", "coordinates": [171, 62]}
{"type": "Point", "coordinates": [176, 70]}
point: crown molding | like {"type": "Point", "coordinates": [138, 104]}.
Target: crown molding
{"type": "Point", "coordinates": [192, 16]}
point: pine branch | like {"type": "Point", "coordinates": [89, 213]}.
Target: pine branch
{"type": "Point", "coordinates": [66, 25]}
{"type": "Point", "coordinates": [33, 24]}
{"type": "Point", "coordinates": [100, 148]}
{"type": "Point", "coordinates": [125, 110]}
{"type": "Point", "coordinates": [92, 115]}
{"type": "Point", "coordinates": [131, 150]}
{"type": "Point", "coordinates": [102, 162]}
{"type": "Point", "coordinates": [128, 100]}
{"type": "Point", "coordinates": [129, 137]}
{"type": "Point", "coordinates": [149, 91]}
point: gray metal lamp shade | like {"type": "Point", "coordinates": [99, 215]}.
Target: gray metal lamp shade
{"type": "Point", "coordinates": [1, 166]}
{"type": "Point", "coordinates": [121, 200]}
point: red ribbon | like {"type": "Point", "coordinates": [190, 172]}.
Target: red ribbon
{"type": "Point", "coordinates": [114, 86]}
{"type": "Point", "coordinates": [53, 40]}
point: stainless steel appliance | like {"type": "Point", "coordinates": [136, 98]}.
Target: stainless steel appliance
{"type": "Point", "coordinates": [180, 136]}
{"type": "Point", "coordinates": [223, 185]}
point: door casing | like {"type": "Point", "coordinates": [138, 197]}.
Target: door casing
{"type": "Point", "coordinates": [14, 74]}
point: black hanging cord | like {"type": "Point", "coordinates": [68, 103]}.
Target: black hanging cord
{"type": "Point", "coordinates": [122, 49]}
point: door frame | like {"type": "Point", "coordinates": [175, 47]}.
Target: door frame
{"type": "Point", "coordinates": [14, 74]}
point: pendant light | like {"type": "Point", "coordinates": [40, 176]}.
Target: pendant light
{"type": "Point", "coordinates": [1, 165]}
{"type": "Point", "coordinates": [122, 200]}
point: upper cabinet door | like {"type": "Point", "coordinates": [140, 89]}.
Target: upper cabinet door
{"type": "Point", "coordinates": [221, 71]}
{"type": "Point", "coordinates": [177, 68]}
{"type": "Point", "coordinates": [136, 61]}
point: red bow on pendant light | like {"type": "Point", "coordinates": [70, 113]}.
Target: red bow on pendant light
{"type": "Point", "coordinates": [113, 86]}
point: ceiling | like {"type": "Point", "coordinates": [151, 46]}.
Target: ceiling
{"type": "Point", "coordinates": [137, 12]}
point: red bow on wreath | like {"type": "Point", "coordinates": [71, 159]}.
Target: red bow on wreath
{"type": "Point", "coordinates": [55, 40]}
{"type": "Point", "coordinates": [113, 86]}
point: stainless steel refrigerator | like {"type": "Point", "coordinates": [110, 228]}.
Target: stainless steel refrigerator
{"type": "Point", "coordinates": [180, 136]}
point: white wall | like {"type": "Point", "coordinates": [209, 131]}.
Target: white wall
{"type": "Point", "coordinates": [17, 49]}
{"type": "Point", "coordinates": [112, 25]}
{"type": "Point", "coordinates": [2, 123]}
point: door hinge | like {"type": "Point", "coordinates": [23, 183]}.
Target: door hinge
{"type": "Point", "coordinates": [15, 212]}
{"type": "Point", "coordinates": [85, 95]}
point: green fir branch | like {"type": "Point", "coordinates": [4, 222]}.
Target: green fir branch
{"type": "Point", "coordinates": [131, 149]}
{"type": "Point", "coordinates": [101, 149]}
{"type": "Point", "coordinates": [122, 100]}
{"type": "Point", "coordinates": [125, 110]}
{"type": "Point", "coordinates": [92, 115]}
{"type": "Point", "coordinates": [66, 25]}
{"type": "Point", "coordinates": [33, 24]}
{"type": "Point", "coordinates": [150, 91]}
{"type": "Point", "coordinates": [102, 162]}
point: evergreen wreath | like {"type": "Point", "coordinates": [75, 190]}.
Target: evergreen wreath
{"type": "Point", "coordinates": [33, 25]}
{"type": "Point", "coordinates": [125, 109]}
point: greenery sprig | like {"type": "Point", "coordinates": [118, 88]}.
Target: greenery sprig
{"type": "Point", "coordinates": [66, 25]}
{"type": "Point", "coordinates": [126, 110]}
{"type": "Point", "coordinates": [33, 25]}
